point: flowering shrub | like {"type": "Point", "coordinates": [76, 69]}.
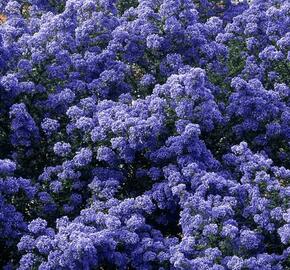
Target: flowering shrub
{"type": "Point", "coordinates": [144, 134]}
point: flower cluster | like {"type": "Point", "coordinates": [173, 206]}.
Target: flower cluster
{"type": "Point", "coordinates": [144, 134]}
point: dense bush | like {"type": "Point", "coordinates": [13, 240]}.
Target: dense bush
{"type": "Point", "coordinates": [144, 134]}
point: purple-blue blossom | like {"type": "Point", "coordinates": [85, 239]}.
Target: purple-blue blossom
{"type": "Point", "coordinates": [150, 134]}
